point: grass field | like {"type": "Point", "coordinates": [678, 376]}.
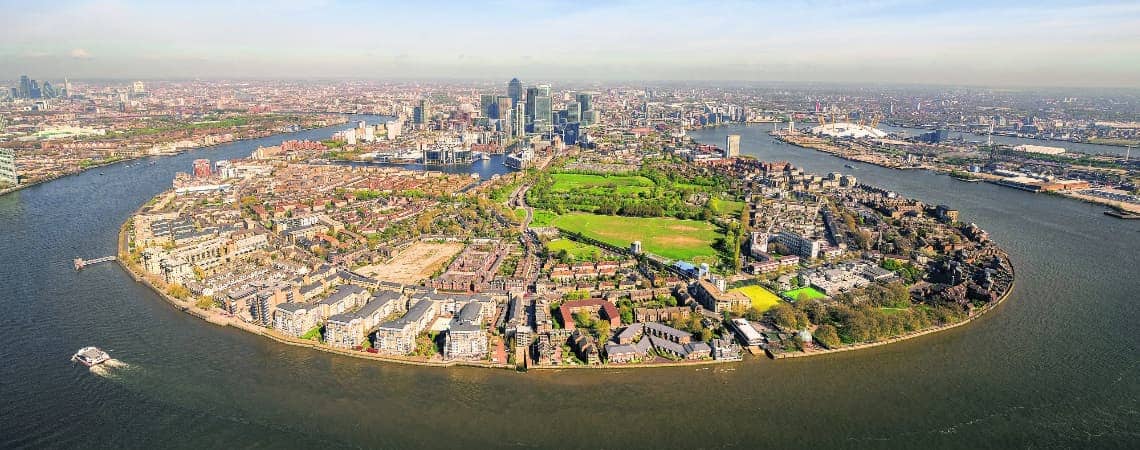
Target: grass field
{"type": "Point", "coordinates": [542, 218]}
{"type": "Point", "coordinates": [762, 299]}
{"type": "Point", "coordinates": [726, 207]}
{"type": "Point", "coordinates": [621, 184]}
{"type": "Point", "coordinates": [579, 251]}
{"type": "Point", "coordinates": [671, 238]}
{"type": "Point", "coordinates": [812, 293]}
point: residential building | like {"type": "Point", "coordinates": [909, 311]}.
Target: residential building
{"type": "Point", "coordinates": [8, 174]}
{"type": "Point", "coordinates": [718, 300]}
{"type": "Point", "coordinates": [732, 146]}
{"type": "Point", "coordinates": [466, 338]}
{"type": "Point", "coordinates": [345, 298]}
{"type": "Point", "coordinates": [350, 329]}
{"type": "Point", "coordinates": [604, 309]}
{"type": "Point", "coordinates": [295, 319]}
{"type": "Point", "coordinates": [398, 337]}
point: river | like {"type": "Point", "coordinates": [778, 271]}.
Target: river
{"type": "Point", "coordinates": [1055, 365]}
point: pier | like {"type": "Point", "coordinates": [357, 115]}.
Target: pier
{"type": "Point", "coordinates": [80, 263]}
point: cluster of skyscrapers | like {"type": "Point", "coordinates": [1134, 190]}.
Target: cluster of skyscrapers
{"type": "Point", "coordinates": [532, 111]}
{"type": "Point", "coordinates": [32, 89]}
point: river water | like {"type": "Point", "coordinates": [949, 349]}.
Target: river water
{"type": "Point", "coordinates": [1056, 365]}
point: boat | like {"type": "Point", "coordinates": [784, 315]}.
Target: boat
{"type": "Point", "coordinates": [1120, 213]}
{"type": "Point", "coordinates": [91, 356]}
{"type": "Point", "coordinates": [485, 157]}
{"type": "Point", "coordinates": [964, 177]}
{"type": "Point", "coordinates": [848, 166]}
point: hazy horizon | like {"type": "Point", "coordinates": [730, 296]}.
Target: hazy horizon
{"type": "Point", "coordinates": [1017, 44]}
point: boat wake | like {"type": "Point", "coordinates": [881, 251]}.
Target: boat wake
{"type": "Point", "coordinates": [109, 368]}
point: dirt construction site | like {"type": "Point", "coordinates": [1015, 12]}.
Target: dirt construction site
{"type": "Point", "coordinates": [418, 262]}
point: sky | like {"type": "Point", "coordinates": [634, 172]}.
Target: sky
{"type": "Point", "coordinates": [1012, 43]}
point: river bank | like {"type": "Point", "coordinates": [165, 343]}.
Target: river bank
{"type": "Point", "coordinates": [22, 186]}
{"type": "Point", "coordinates": [911, 335]}
{"type": "Point", "coordinates": [214, 317]}
{"type": "Point", "coordinates": [992, 179]}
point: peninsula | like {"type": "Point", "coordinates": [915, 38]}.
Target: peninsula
{"type": "Point", "coordinates": [643, 249]}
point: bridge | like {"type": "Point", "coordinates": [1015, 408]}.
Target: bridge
{"type": "Point", "coordinates": [80, 263]}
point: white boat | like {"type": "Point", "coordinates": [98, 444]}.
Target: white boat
{"type": "Point", "coordinates": [91, 356]}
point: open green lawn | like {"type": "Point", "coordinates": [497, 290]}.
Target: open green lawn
{"type": "Point", "coordinates": [621, 184]}
{"type": "Point", "coordinates": [726, 207]}
{"type": "Point", "coordinates": [579, 251]}
{"type": "Point", "coordinates": [671, 238]}
{"type": "Point", "coordinates": [762, 299]}
{"type": "Point", "coordinates": [812, 293]}
{"type": "Point", "coordinates": [891, 311]}
{"type": "Point", "coordinates": [542, 218]}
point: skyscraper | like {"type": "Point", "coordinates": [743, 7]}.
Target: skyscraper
{"type": "Point", "coordinates": [520, 119]}
{"type": "Point", "coordinates": [488, 106]}
{"type": "Point", "coordinates": [732, 146]}
{"type": "Point", "coordinates": [421, 113]}
{"type": "Point", "coordinates": [504, 107]}
{"type": "Point", "coordinates": [514, 90]}
{"type": "Point", "coordinates": [531, 96]}
{"type": "Point", "coordinates": [586, 101]}
{"type": "Point", "coordinates": [25, 87]}
{"type": "Point", "coordinates": [543, 112]}
{"type": "Point", "coordinates": [573, 112]}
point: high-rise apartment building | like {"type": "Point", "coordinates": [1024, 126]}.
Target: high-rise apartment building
{"type": "Point", "coordinates": [8, 176]}
{"type": "Point", "coordinates": [520, 119]}
{"type": "Point", "coordinates": [732, 145]}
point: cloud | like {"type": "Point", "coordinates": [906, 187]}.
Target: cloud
{"type": "Point", "coordinates": [79, 53]}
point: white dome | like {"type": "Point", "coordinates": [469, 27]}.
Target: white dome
{"type": "Point", "coordinates": [848, 129]}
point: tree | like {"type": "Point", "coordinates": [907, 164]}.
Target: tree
{"type": "Point", "coordinates": [827, 335]}
{"type": "Point", "coordinates": [205, 302]}
{"type": "Point", "coordinates": [178, 291]}
{"type": "Point", "coordinates": [753, 314]}
{"type": "Point", "coordinates": [626, 314]}
{"type": "Point", "coordinates": [602, 327]}
{"type": "Point", "coordinates": [787, 317]}
{"type": "Point", "coordinates": [582, 319]}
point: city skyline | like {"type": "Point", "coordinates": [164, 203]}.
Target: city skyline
{"type": "Point", "coordinates": [891, 41]}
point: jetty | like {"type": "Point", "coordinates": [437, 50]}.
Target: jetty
{"type": "Point", "coordinates": [80, 263]}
